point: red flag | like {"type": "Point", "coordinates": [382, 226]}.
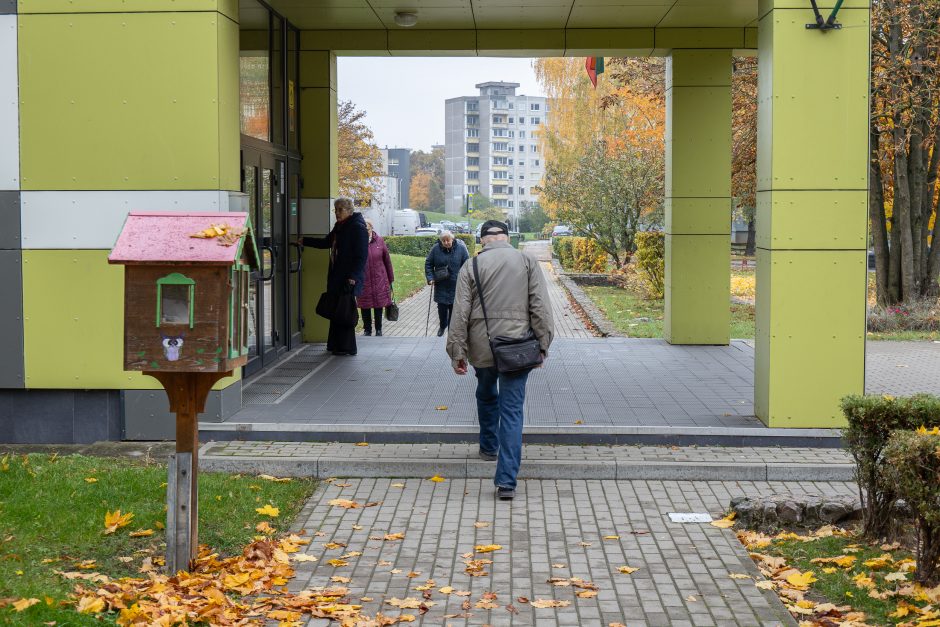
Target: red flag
{"type": "Point", "coordinates": [590, 64]}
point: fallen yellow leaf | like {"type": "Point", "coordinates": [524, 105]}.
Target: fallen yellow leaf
{"type": "Point", "coordinates": [23, 604]}
{"type": "Point", "coordinates": [90, 605]}
{"type": "Point", "coordinates": [724, 523]}
{"type": "Point", "coordinates": [441, 408]}
{"type": "Point", "coordinates": [264, 527]}
{"type": "Point", "coordinates": [626, 570]}
{"type": "Point", "coordinates": [90, 480]}
{"type": "Point", "coordinates": [115, 520]}
{"type": "Point", "coordinates": [268, 510]}
{"type": "Point", "coordinates": [362, 444]}
{"type": "Point", "coordinates": [141, 533]}
{"type": "Point", "coordinates": [546, 603]}
{"type": "Point", "coordinates": [487, 548]}
{"type": "Point", "coordinates": [437, 479]}
{"type": "Point", "coordinates": [275, 479]}
{"type": "Point", "coordinates": [801, 581]}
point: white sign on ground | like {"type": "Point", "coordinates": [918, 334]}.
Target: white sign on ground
{"type": "Point", "coordinates": [690, 517]}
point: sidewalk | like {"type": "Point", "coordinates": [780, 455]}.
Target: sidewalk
{"type": "Point", "coordinates": [333, 459]}
{"type": "Point", "coordinates": [585, 529]}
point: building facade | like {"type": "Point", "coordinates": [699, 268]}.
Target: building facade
{"type": "Point", "coordinates": [492, 147]}
{"type": "Point", "coordinates": [399, 166]}
{"type": "Point", "coordinates": [386, 199]}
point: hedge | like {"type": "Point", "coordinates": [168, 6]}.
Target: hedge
{"type": "Point", "coordinates": [913, 466]}
{"type": "Point", "coordinates": [420, 245]}
{"type": "Point", "coordinates": [871, 421]}
{"type": "Point", "coordinates": [579, 254]}
{"type": "Point", "coordinates": [651, 261]}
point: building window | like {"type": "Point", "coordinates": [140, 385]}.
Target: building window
{"type": "Point", "coordinates": [521, 120]}
{"type": "Point", "coordinates": [522, 190]}
{"type": "Point", "coordinates": [534, 107]}
{"type": "Point", "coordinates": [473, 189]}
{"type": "Point", "coordinates": [473, 120]}
{"type": "Point", "coordinates": [510, 162]}
{"type": "Point", "coordinates": [510, 120]}
{"type": "Point", "coordinates": [534, 148]}
{"type": "Point", "coordinates": [473, 161]}
{"type": "Point", "coordinates": [521, 134]}
{"type": "Point", "coordinates": [473, 132]}
{"type": "Point", "coordinates": [500, 174]}
{"type": "Point", "coordinates": [521, 147]}
{"type": "Point", "coordinates": [500, 146]}
{"type": "Point", "coordinates": [536, 163]}
{"type": "Point", "coordinates": [500, 132]}
{"type": "Point", "coordinates": [509, 192]}
{"type": "Point", "coordinates": [521, 162]}
{"type": "Point", "coordinates": [473, 175]}
{"type": "Point", "coordinates": [536, 120]}
{"type": "Point", "coordinates": [510, 202]}
{"type": "Point", "coordinates": [473, 106]}
{"type": "Point", "coordinates": [473, 147]}
{"type": "Point", "coordinates": [522, 177]}
{"type": "Point", "coordinates": [500, 160]}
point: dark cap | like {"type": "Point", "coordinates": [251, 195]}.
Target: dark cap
{"type": "Point", "coordinates": [494, 227]}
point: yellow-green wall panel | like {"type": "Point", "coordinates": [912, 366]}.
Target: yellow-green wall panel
{"type": "Point", "coordinates": [698, 216]}
{"type": "Point", "coordinates": [698, 146]}
{"type": "Point", "coordinates": [700, 38]}
{"type": "Point", "coordinates": [316, 263]}
{"type": "Point", "coordinates": [317, 69]}
{"type": "Point", "coordinates": [318, 143]}
{"type": "Point", "coordinates": [817, 92]}
{"type": "Point", "coordinates": [120, 101]}
{"type": "Point", "coordinates": [829, 220]}
{"type": "Point", "coordinates": [810, 335]}
{"type": "Point", "coordinates": [73, 319]}
{"type": "Point", "coordinates": [699, 68]}
{"type": "Point", "coordinates": [229, 107]}
{"type": "Point", "coordinates": [228, 8]}
{"type": "Point", "coordinates": [697, 289]}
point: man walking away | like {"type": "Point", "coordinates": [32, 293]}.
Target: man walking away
{"type": "Point", "coordinates": [516, 301]}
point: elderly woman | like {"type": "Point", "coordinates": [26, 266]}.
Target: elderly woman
{"type": "Point", "coordinates": [441, 267]}
{"type": "Point", "coordinates": [348, 244]}
{"type": "Point", "coordinates": [377, 291]}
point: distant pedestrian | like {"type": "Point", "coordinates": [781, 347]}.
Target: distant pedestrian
{"type": "Point", "coordinates": [377, 290]}
{"type": "Point", "coordinates": [516, 303]}
{"type": "Point", "coordinates": [348, 244]}
{"type": "Point", "coordinates": [441, 266]}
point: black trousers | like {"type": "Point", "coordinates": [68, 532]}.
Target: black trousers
{"type": "Point", "coordinates": [367, 319]}
{"type": "Point", "coordinates": [341, 339]}
{"type": "Point", "coordinates": [443, 314]}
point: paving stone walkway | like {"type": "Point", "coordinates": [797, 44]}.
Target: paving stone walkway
{"type": "Point", "coordinates": [552, 529]}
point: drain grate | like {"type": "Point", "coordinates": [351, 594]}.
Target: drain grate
{"type": "Point", "coordinates": [276, 384]}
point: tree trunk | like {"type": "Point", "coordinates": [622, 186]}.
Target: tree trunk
{"type": "Point", "coordinates": [879, 227]}
{"type": "Point", "coordinates": [902, 213]}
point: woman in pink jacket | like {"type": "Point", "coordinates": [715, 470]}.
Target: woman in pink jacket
{"type": "Point", "coordinates": [377, 288]}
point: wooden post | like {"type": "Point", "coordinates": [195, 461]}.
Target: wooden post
{"type": "Point", "coordinates": [187, 392]}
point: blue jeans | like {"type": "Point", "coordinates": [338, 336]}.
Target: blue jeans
{"type": "Point", "coordinates": [500, 399]}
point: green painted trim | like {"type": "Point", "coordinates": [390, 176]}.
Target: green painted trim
{"type": "Point", "coordinates": [232, 352]}
{"type": "Point", "coordinates": [176, 278]}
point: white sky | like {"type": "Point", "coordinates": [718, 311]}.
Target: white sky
{"type": "Point", "coordinates": [404, 97]}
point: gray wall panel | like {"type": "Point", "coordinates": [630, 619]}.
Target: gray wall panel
{"type": "Point", "coordinates": [7, 7]}
{"type": "Point", "coordinates": [59, 416]}
{"type": "Point", "coordinates": [11, 319]}
{"type": "Point", "coordinates": [10, 220]}
{"type": "Point", "coordinates": [147, 412]}
{"type": "Point", "coordinates": [97, 416]}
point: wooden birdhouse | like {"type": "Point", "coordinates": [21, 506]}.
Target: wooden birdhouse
{"type": "Point", "coordinates": [186, 291]}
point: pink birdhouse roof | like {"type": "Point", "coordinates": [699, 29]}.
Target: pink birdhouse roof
{"type": "Point", "coordinates": [167, 237]}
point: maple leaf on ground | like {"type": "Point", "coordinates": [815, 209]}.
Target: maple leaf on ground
{"type": "Point", "coordinates": [548, 603]}
{"type": "Point", "coordinates": [481, 524]}
{"type": "Point", "coordinates": [801, 581]}
{"type": "Point", "coordinates": [264, 527]}
{"type": "Point", "coordinates": [626, 570]}
{"type": "Point", "coordinates": [90, 605]}
{"type": "Point", "coordinates": [24, 604]}
{"type": "Point", "coordinates": [115, 520]}
{"type": "Point", "coordinates": [437, 479]}
{"type": "Point", "coordinates": [487, 548]}
{"type": "Point", "coordinates": [269, 510]}
{"type": "Point", "coordinates": [726, 522]}
{"type": "Point", "coordinates": [141, 533]}
{"type": "Point", "coordinates": [275, 479]}
{"type": "Point", "coordinates": [90, 480]}
{"type": "Point", "coordinates": [344, 503]}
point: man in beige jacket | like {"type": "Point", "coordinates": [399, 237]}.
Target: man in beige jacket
{"type": "Point", "coordinates": [516, 301]}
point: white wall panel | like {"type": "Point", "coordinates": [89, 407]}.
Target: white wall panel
{"type": "Point", "coordinates": [76, 220]}
{"type": "Point", "coordinates": [316, 216]}
{"type": "Point", "coordinates": [9, 111]}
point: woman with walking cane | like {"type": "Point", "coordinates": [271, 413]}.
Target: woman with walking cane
{"type": "Point", "coordinates": [441, 267]}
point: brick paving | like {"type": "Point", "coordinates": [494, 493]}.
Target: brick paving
{"type": "Point", "coordinates": [552, 529]}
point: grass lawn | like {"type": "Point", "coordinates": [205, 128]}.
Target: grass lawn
{"type": "Point", "coordinates": [912, 336]}
{"type": "Point", "coordinates": [623, 307]}
{"type": "Point", "coordinates": [836, 584]}
{"type": "Point", "coordinates": [409, 276]}
{"type": "Point", "coordinates": [52, 518]}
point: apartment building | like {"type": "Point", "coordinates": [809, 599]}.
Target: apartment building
{"type": "Point", "coordinates": [492, 147]}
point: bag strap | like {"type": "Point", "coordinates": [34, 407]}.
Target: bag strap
{"type": "Point", "coordinates": [476, 277]}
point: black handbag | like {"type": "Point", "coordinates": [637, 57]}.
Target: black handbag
{"type": "Point", "coordinates": [339, 307]}
{"type": "Point", "coordinates": [391, 311]}
{"type": "Point", "coordinates": [440, 273]}
{"type": "Point", "coordinates": [511, 354]}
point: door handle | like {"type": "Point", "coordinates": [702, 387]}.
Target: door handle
{"type": "Point", "coordinates": [294, 269]}
{"type": "Point", "coordinates": [273, 252]}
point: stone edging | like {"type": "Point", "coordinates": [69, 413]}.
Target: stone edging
{"type": "Point", "coordinates": [601, 325]}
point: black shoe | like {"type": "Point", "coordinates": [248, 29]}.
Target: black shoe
{"type": "Point", "coordinates": [440, 332]}
{"type": "Point", "coordinates": [487, 457]}
{"type": "Point", "coordinates": [505, 494]}
{"type": "Point", "coordinates": [378, 333]}
{"type": "Point", "coordinates": [368, 332]}
{"type": "Point", "coordinates": [344, 353]}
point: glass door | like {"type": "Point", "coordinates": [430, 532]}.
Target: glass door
{"type": "Point", "coordinates": [294, 259]}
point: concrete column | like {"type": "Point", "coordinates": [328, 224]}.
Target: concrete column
{"type": "Point", "coordinates": [812, 181]}
{"type": "Point", "coordinates": [698, 197]}
{"type": "Point", "coordinates": [318, 144]}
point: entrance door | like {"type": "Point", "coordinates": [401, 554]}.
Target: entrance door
{"type": "Point", "coordinates": [265, 185]}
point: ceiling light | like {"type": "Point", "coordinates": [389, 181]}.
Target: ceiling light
{"type": "Point", "coordinates": [406, 18]}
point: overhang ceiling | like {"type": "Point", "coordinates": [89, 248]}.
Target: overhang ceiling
{"type": "Point", "coordinates": [518, 14]}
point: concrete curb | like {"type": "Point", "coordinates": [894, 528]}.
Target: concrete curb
{"type": "Point", "coordinates": [598, 320]}
{"type": "Point", "coordinates": [323, 467]}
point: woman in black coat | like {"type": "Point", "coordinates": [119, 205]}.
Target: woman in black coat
{"type": "Point", "coordinates": [348, 244]}
{"type": "Point", "coordinates": [449, 253]}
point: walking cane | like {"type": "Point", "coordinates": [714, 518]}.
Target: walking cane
{"type": "Point", "coordinates": [427, 323]}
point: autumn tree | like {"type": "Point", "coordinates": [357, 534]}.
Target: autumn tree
{"type": "Point", "coordinates": [427, 169]}
{"type": "Point", "coordinates": [904, 142]}
{"type": "Point", "coordinates": [744, 144]}
{"type": "Point", "coordinates": [359, 161]}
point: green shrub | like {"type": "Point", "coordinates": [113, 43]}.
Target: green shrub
{"type": "Point", "coordinates": [913, 460]}
{"type": "Point", "coordinates": [651, 261]}
{"type": "Point", "coordinates": [563, 248]}
{"type": "Point", "coordinates": [420, 245]}
{"type": "Point", "coordinates": [871, 420]}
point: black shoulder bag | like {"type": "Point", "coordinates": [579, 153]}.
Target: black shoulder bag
{"type": "Point", "coordinates": [511, 354]}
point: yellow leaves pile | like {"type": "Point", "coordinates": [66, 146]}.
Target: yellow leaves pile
{"type": "Point", "coordinates": [115, 520]}
{"type": "Point", "coordinates": [724, 523]}
{"type": "Point", "coordinates": [224, 233]}
{"type": "Point", "coordinates": [268, 510]}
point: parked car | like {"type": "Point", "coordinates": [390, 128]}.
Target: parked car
{"type": "Point", "coordinates": [561, 230]}
{"type": "Point", "coordinates": [427, 231]}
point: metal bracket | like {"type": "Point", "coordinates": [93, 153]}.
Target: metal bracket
{"type": "Point", "coordinates": [825, 25]}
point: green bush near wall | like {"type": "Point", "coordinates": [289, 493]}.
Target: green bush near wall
{"type": "Point", "coordinates": [651, 261]}
{"type": "Point", "coordinates": [579, 254]}
{"type": "Point", "coordinates": [420, 245]}
{"type": "Point", "coordinates": [563, 249]}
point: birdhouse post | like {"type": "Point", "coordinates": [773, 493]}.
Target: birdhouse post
{"type": "Point", "coordinates": [186, 316]}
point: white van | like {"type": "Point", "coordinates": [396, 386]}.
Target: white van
{"type": "Point", "coordinates": [406, 222]}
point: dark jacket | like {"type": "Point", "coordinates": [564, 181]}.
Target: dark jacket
{"type": "Point", "coordinates": [454, 258]}
{"type": "Point", "coordinates": [379, 276]}
{"type": "Point", "coordinates": [348, 243]}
